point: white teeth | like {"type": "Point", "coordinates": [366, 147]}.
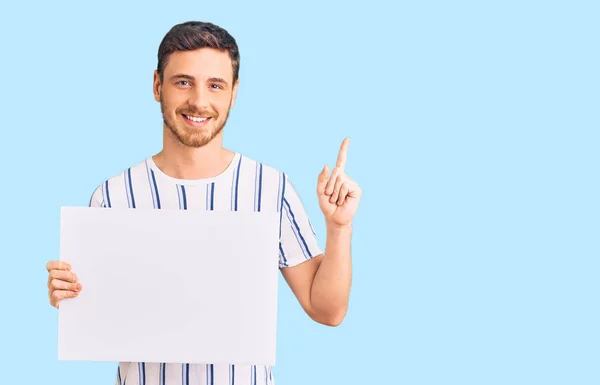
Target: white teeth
{"type": "Point", "coordinates": [194, 119]}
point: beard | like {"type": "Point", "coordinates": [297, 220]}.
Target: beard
{"type": "Point", "coordinates": [189, 136]}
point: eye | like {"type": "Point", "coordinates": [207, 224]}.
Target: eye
{"type": "Point", "coordinates": [216, 86]}
{"type": "Point", "coordinates": [183, 83]}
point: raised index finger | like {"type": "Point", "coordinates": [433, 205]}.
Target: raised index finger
{"type": "Point", "coordinates": [341, 160]}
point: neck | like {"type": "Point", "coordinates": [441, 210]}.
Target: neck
{"type": "Point", "coordinates": [179, 161]}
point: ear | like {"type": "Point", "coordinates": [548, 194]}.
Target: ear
{"type": "Point", "coordinates": [156, 86]}
{"type": "Point", "coordinates": [234, 94]}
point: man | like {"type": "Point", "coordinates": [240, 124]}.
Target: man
{"type": "Point", "coordinates": [196, 83]}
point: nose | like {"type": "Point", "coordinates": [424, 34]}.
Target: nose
{"type": "Point", "coordinates": [199, 97]}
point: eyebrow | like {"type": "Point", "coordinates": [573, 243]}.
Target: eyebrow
{"type": "Point", "coordinates": [217, 80]}
{"type": "Point", "coordinates": [188, 77]}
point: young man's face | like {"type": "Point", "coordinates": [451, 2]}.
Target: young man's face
{"type": "Point", "coordinates": [196, 94]}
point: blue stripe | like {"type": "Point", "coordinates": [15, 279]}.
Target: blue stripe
{"type": "Point", "coordinates": [107, 194]}
{"type": "Point", "coordinates": [126, 190]}
{"type": "Point", "coordinates": [255, 187]}
{"type": "Point", "coordinates": [232, 189]}
{"type": "Point", "coordinates": [150, 183]}
{"type": "Point", "coordinates": [184, 197]}
{"type": "Point", "coordinates": [260, 186]}
{"type": "Point", "coordinates": [142, 373]}
{"type": "Point", "coordinates": [302, 203]}
{"type": "Point", "coordinates": [237, 183]}
{"type": "Point", "coordinates": [278, 193]}
{"type": "Point", "coordinates": [210, 374]}
{"type": "Point", "coordinates": [185, 374]}
{"type": "Point", "coordinates": [254, 371]}
{"type": "Point", "coordinates": [280, 187]}
{"type": "Point", "coordinates": [210, 196]}
{"type": "Point", "coordinates": [283, 190]}
{"type": "Point", "coordinates": [155, 189]}
{"type": "Point", "coordinates": [232, 374]}
{"type": "Point", "coordinates": [312, 229]}
{"type": "Point", "coordinates": [293, 220]}
{"type": "Point", "coordinates": [281, 206]}
{"type": "Point", "coordinates": [103, 197]}
{"type": "Point", "coordinates": [131, 188]}
{"type": "Point", "coordinates": [282, 255]}
{"type": "Point", "coordinates": [162, 374]}
{"type": "Point", "coordinates": [119, 375]}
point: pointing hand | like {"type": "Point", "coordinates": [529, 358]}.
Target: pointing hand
{"type": "Point", "coordinates": [338, 194]}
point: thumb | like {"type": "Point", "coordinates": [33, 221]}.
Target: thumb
{"type": "Point", "coordinates": [322, 182]}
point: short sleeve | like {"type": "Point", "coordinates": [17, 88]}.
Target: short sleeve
{"type": "Point", "coordinates": [298, 241]}
{"type": "Point", "coordinates": [97, 199]}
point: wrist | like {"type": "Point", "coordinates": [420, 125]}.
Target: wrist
{"type": "Point", "coordinates": [337, 228]}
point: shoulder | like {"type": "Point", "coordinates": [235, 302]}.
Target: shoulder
{"type": "Point", "coordinates": [106, 190]}
{"type": "Point", "coordinates": [265, 174]}
{"type": "Point", "coordinates": [272, 175]}
{"type": "Point", "coordinates": [261, 167]}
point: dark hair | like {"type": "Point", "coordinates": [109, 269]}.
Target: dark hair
{"type": "Point", "coordinates": [193, 35]}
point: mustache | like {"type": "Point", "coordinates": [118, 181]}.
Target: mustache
{"type": "Point", "coordinates": [196, 112]}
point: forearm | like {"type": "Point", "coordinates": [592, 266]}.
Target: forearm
{"type": "Point", "coordinates": [330, 290]}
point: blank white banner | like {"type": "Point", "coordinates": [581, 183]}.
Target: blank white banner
{"type": "Point", "coordinates": [171, 286]}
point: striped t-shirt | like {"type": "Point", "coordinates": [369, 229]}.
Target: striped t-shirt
{"type": "Point", "coordinates": [246, 185]}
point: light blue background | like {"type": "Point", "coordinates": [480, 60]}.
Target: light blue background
{"type": "Point", "coordinates": [474, 135]}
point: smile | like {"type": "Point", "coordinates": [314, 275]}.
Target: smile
{"type": "Point", "coordinates": [195, 120]}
